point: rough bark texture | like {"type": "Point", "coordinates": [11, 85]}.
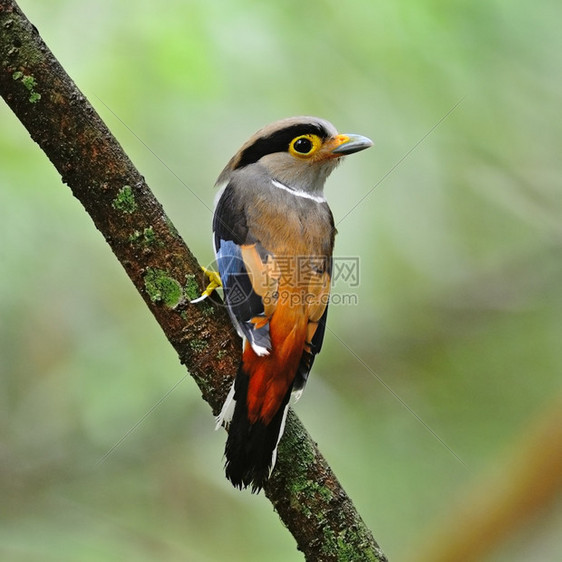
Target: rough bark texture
{"type": "Point", "coordinates": [303, 489]}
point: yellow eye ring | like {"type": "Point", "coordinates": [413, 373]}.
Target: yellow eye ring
{"type": "Point", "coordinates": [305, 146]}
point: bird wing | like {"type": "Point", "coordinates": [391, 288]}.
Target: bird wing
{"type": "Point", "coordinates": [244, 269]}
{"type": "Point", "coordinates": [259, 268]}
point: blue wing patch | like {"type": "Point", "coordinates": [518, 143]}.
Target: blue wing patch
{"type": "Point", "coordinates": [243, 303]}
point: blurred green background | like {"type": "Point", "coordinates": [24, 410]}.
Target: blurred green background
{"type": "Point", "coordinates": [460, 297]}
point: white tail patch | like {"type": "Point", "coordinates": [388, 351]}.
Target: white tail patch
{"type": "Point", "coordinates": [281, 430]}
{"type": "Point", "coordinates": [225, 417]}
{"type": "Point", "coordinates": [296, 394]}
{"type": "Point", "coordinates": [259, 350]}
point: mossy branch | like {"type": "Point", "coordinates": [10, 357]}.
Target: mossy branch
{"type": "Point", "coordinates": [303, 489]}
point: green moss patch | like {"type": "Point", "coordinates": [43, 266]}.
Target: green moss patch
{"type": "Point", "coordinates": [191, 287]}
{"type": "Point", "coordinates": [198, 345]}
{"type": "Point", "coordinates": [146, 238]}
{"type": "Point", "coordinates": [29, 83]}
{"type": "Point", "coordinates": [162, 288]}
{"type": "Point", "coordinates": [125, 200]}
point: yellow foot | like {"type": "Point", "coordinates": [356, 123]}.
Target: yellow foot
{"type": "Point", "coordinates": [215, 283]}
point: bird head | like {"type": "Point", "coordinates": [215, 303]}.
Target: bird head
{"type": "Point", "coordinates": [300, 152]}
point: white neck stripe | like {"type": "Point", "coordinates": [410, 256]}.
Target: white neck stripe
{"type": "Point", "coordinates": [298, 192]}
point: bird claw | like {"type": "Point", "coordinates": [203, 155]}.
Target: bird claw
{"type": "Point", "coordinates": [214, 283]}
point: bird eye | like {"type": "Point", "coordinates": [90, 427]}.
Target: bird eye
{"type": "Point", "coordinates": [304, 145]}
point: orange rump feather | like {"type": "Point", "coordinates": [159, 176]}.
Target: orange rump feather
{"type": "Point", "coordinates": [271, 376]}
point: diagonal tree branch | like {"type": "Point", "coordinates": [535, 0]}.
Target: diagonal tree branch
{"type": "Point", "coordinates": [302, 489]}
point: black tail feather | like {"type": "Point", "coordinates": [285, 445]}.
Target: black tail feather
{"type": "Point", "coordinates": [250, 446]}
{"type": "Point", "coordinates": [303, 370]}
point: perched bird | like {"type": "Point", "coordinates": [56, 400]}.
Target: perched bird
{"type": "Point", "coordinates": [273, 237]}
